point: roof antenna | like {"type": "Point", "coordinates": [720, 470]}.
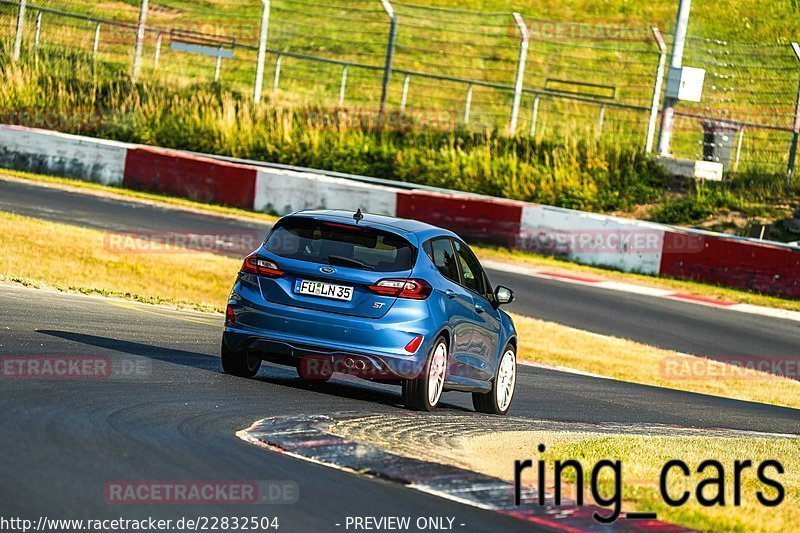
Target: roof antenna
{"type": "Point", "coordinates": [358, 216]}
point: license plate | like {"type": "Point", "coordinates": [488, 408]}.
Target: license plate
{"type": "Point", "coordinates": [326, 290]}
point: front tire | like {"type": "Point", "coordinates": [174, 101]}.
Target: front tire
{"type": "Point", "coordinates": [239, 362]}
{"type": "Point", "coordinates": [498, 400]}
{"type": "Point", "coordinates": [424, 392]}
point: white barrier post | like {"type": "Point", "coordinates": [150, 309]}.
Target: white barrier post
{"type": "Point", "coordinates": [387, 66]}
{"type": "Point", "coordinates": [96, 43]}
{"type": "Point", "coordinates": [534, 116]}
{"type": "Point", "coordinates": [404, 96]}
{"type": "Point", "coordinates": [38, 33]}
{"type": "Point", "coordinates": [659, 81]}
{"type": "Point", "coordinates": [262, 52]}
{"type": "Point", "coordinates": [676, 62]}
{"type": "Point", "coordinates": [157, 54]}
{"type": "Point", "coordinates": [20, 30]}
{"type": "Point", "coordinates": [277, 79]}
{"type": "Point", "coordinates": [342, 86]}
{"type": "Point", "coordinates": [218, 65]}
{"type": "Point", "coordinates": [140, 33]}
{"type": "Point", "coordinates": [523, 55]}
{"type": "Point", "coordinates": [468, 104]}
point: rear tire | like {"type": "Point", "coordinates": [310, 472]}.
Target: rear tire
{"type": "Point", "coordinates": [498, 400]}
{"type": "Point", "coordinates": [424, 392]}
{"type": "Point", "coordinates": [239, 362]}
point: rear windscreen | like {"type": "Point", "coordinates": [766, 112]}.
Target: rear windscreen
{"type": "Point", "coordinates": [341, 245]}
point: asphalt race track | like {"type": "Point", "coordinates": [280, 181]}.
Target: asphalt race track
{"type": "Point", "coordinates": [62, 440]}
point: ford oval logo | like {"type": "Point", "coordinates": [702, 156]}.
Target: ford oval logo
{"type": "Point", "coordinates": [327, 270]}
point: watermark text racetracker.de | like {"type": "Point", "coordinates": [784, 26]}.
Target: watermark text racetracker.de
{"type": "Point", "coordinates": [185, 523]}
{"type": "Point", "coordinates": [689, 368]}
{"type": "Point", "coordinates": [238, 243]}
{"type": "Point", "coordinates": [604, 241]}
{"type": "Point", "coordinates": [73, 367]}
{"type": "Point", "coordinates": [201, 492]}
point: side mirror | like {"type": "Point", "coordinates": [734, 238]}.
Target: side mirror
{"type": "Point", "coordinates": [503, 295]}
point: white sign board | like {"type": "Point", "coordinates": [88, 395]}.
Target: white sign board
{"type": "Point", "coordinates": [686, 83]}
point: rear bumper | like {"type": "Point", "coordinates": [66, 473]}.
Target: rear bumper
{"type": "Point", "coordinates": [286, 334]}
{"type": "Point", "coordinates": [380, 367]}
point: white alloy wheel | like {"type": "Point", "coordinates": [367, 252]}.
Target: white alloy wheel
{"type": "Point", "coordinates": [436, 373]}
{"type": "Point", "coordinates": [497, 401]}
{"type": "Point", "coordinates": [506, 379]}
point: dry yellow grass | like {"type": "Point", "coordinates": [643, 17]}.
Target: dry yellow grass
{"type": "Point", "coordinates": [642, 457]}
{"type": "Point", "coordinates": [41, 253]}
{"type": "Point", "coordinates": [65, 257]}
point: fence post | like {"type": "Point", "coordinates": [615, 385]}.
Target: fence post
{"type": "Point", "coordinates": [276, 80]}
{"type": "Point", "coordinates": [523, 54]}
{"type": "Point", "coordinates": [678, 44]}
{"type": "Point", "coordinates": [387, 67]}
{"type": "Point", "coordinates": [795, 129]}
{"type": "Point", "coordinates": [38, 31]}
{"type": "Point", "coordinates": [600, 119]}
{"type": "Point", "coordinates": [140, 33]}
{"type": "Point", "coordinates": [20, 30]}
{"type": "Point", "coordinates": [404, 96]}
{"type": "Point", "coordinates": [659, 81]}
{"type": "Point", "coordinates": [468, 104]}
{"type": "Point", "coordinates": [534, 115]}
{"type": "Point", "coordinates": [96, 43]}
{"type": "Point", "coordinates": [342, 86]}
{"type": "Point", "coordinates": [738, 149]}
{"type": "Point", "coordinates": [262, 52]}
{"type": "Point", "coordinates": [218, 65]}
{"type": "Point", "coordinates": [157, 54]}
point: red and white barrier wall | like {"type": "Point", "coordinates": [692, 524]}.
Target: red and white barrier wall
{"type": "Point", "coordinates": [588, 238]}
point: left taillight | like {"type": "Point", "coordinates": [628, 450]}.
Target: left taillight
{"type": "Point", "coordinates": [230, 317]}
{"type": "Point", "coordinates": [260, 266]}
{"type": "Point", "coordinates": [415, 289]}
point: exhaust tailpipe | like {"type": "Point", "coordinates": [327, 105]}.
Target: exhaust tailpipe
{"type": "Point", "coordinates": [348, 362]}
{"type": "Point", "coordinates": [360, 365]}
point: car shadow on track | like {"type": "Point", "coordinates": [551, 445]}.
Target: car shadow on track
{"type": "Point", "coordinates": [343, 387]}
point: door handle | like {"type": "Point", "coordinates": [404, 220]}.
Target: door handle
{"type": "Point", "coordinates": [450, 293]}
{"type": "Point", "coordinates": [479, 308]}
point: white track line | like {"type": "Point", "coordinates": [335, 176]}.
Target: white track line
{"type": "Point", "coordinates": [642, 290]}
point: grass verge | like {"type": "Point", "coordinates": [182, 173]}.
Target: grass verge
{"type": "Point", "coordinates": [642, 457]}
{"type": "Point", "coordinates": [484, 251]}
{"type": "Point", "coordinates": [84, 263]}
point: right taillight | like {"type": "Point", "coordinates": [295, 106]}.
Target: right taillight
{"type": "Point", "coordinates": [415, 289]}
{"type": "Point", "coordinates": [260, 266]}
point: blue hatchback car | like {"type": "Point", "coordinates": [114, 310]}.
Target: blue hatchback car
{"type": "Point", "coordinates": [382, 298]}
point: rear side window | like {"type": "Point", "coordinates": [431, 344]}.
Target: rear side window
{"type": "Point", "coordinates": [440, 251]}
{"type": "Point", "coordinates": [470, 267]}
{"type": "Point", "coordinates": [341, 245]}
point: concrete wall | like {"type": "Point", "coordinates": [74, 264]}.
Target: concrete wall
{"type": "Point", "coordinates": [592, 239]}
{"type": "Point", "coordinates": [63, 155]}
{"type": "Point", "coordinates": [285, 191]}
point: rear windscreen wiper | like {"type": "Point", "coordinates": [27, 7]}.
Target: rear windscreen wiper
{"type": "Point", "coordinates": [346, 261]}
